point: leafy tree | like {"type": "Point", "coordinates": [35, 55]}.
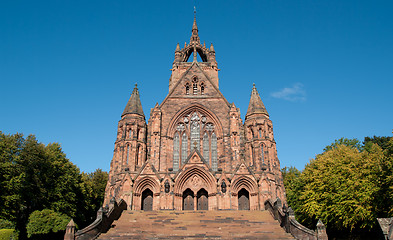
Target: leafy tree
{"type": "Point", "coordinates": [44, 224]}
{"type": "Point", "coordinates": [352, 143]}
{"type": "Point", "coordinates": [10, 181]}
{"type": "Point", "coordinates": [348, 186]}
{"type": "Point", "coordinates": [34, 176]}
{"type": "Point", "coordinates": [293, 186]}
{"type": "Point", "coordinates": [94, 191]}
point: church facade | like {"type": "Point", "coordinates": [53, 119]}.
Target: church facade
{"type": "Point", "coordinates": [195, 152]}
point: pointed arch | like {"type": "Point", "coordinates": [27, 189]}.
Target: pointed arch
{"type": "Point", "coordinates": [209, 182]}
{"type": "Point", "coordinates": [246, 183]}
{"type": "Point", "coordinates": [147, 182]}
{"type": "Point", "coordinates": [195, 107]}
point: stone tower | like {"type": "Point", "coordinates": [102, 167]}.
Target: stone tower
{"type": "Point", "coordinates": [195, 152]}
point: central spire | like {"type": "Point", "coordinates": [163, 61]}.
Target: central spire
{"type": "Point", "coordinates": [194, 36]}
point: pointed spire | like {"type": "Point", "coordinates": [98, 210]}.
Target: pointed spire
{"type": "Point", "coordinates": [134, 104]}
{"type": "Point", "coordinates": [177, 48]}
{"type": "Point", "coordinates": [256, 105]}
{"type": "Point", "coordinates": [194, 36]}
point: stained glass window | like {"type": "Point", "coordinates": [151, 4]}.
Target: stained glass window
{"type": "Point", "coordinates": [195, 135]}
{"type": "Point", "coordinates": [176, 147]}
{"type": "Point", "coordinates": [184, 148]}
{"type": "Point", "coordinates": [214, 152]}
{"type": "Point", "coordinates": [206, 147]}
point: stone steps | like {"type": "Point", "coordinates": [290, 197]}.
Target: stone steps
{"type": "Point", "coordinates": [196, 225]}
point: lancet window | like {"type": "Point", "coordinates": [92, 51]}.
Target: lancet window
{"type": "Point", "coordinates": [128, 153]}
{"type": "Point", "coordinates": [194, 88]}
{"type": "Point", "coordinates": [262, 154]}
{"type": "Point", "coordinates": [184, 148]}
{"type": "Point", "coordinates": [214, 152]}
{"type": "Point", "coordinates": [176, 146]}
{"type": "Point", "coordinates": [206, 149]}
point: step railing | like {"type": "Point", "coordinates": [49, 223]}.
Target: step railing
{"type": "Point", "coordinates": [103, 222]}
{"type": "Point", "coordinates": [286, 218]}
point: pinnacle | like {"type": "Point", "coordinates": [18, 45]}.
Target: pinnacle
{"type": "Point", "coordinates": [256, 105]}
{"type": "Point", "coordinates": [134, 103]}
{"type": "Point", "coordinates": [194, 36]}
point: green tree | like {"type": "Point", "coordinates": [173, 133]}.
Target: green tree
{"type": "Point", "coordinates": [93, 190]}
{"type": "Point", "coordinates": [293, 186]}
{"type": "Point", "coordinates": [352, 143]}
{"type": "Point", "coordinates": [34, 176]}
{"type": "Point", "coordinates": [45, 224]}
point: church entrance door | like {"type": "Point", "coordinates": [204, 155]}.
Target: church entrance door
{"type": "Point", "coordinates": [188, 199]}
{"type": "Point", "coordinates": [202, 199]}
{"type": "Point", "coordinates": [147, 200]}
{"type": "Point", "coordinates": [243, 199]}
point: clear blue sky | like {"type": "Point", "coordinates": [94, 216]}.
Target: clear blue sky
{"type": "Point", "coordinates": [324, 68]}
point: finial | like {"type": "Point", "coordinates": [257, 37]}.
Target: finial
{"type": "Point", "coordinates": [136, 85]}
{"type": "Point", "coordinates": [253, 85]}
{"type": "Point", "coordinates": [211, 47]}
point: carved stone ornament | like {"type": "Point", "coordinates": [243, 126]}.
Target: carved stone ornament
{"type": "Point", "coordinates": [195, 117]}
{"type": "Point", "coordinates": [166, 186]}
{"type": "Point", "coordinates": [180, 127]}
{"type": "Point", "coordinates": [209, 127]}
{"type": "Point", "coordinates": [196, 181]}
{"type": "Point", "coordinates": [223, 187]}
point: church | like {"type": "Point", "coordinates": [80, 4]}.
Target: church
{"type": "Point", "coordinates": [195, 152]}
{"type": "Point", "coordinates": [195, 170]}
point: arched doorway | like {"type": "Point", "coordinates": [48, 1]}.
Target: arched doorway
{"type": "Point", "coordinates": [188, 199]}
{"type": "Point", "coordinates": [147, 200]}
{"type": "Point", "coordinates": [243, 199]}
{"type": "Point", "coordinates": [202, 200]}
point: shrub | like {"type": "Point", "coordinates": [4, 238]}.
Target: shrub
{"type": "Point", "coordinates": [46, 222]}
{"type": "Point", "coordinates": [8, 234]}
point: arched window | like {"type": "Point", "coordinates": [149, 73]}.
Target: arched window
{"type": "Point", "coordinates": [195, 134]}
{"type": "Point", "coordinates": [187, 89]}
{"type": "Point", "coordinates": [260, 133]}
{"type": "Point", "coordinates": [128, 152]}
{"type": "Point", "coordinates": [194, 88]}
{"type": "Point", "coordinates": [262, 154]}
{"type": "Point", "coordinates": [184, 148]}
{"type": "Point", "coordinates": [130, 133]}
{"type": "Point", "coordinates": [137, 156]}
{"type": "Point", "coordinates": [176, 147]}
{"type": "Point", "coordinates": [214, 152]}
{"type": "Point", "coordinates": [206, 147]}
{"type": "Point", "coordinates": [202, 88]}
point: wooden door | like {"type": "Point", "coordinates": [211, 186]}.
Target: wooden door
{"type": "Point", "coordinates": [147, 200]}
{"type": "Point", "coordinates": [243, 200]}
{"type": "Point", "coordinates": [188, 200]}
{"type": "Point", "coordinates": [202, 200]}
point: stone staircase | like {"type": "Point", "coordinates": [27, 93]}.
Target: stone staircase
{"type": "Point", "coordinates": [196, 225]}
